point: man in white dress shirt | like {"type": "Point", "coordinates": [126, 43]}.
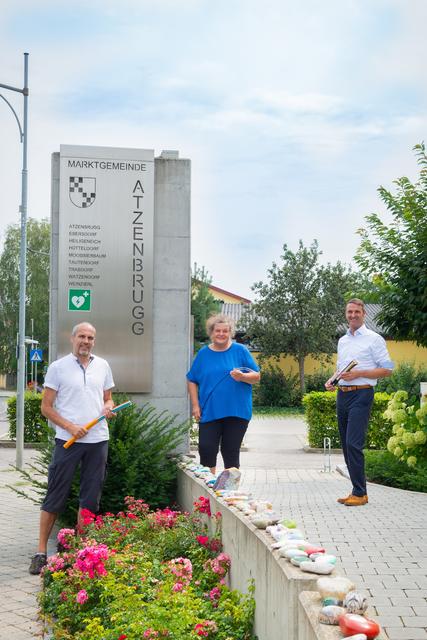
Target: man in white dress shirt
{"type": "Point", "coordinates": [356, 393]}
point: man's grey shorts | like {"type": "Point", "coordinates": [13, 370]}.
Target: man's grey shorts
{"type": "Point", "coordinates": [93, 459]}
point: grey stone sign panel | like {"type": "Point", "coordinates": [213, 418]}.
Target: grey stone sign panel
{"type": "Point", "coordinates": [105, 256]}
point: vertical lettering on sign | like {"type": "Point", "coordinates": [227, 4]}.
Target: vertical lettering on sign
{"type": "Point", "coordinates": [138, 260]}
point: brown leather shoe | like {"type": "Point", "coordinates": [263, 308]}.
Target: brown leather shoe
{"type": "Point", "coordinates": [356, 501]}
{"type": "Point", "coordinates": [343, 500]}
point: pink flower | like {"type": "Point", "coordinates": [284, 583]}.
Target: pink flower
{"type": "Point", "coordinates": [150, 633]}
{"type": "Point", "coordinates": [82, 596]}
{"type": "Point", "coordinates": [55, 563]}
{"type": "Point", "coordinates": [122, 637]}
{"type": "Point", "coordinates": [205, 627]}
{"type": "Point", "coordinates": [165, 518]}
{"type": "Point", "coordinates": [178, 586]}
{"type": "Point", "coordinates": [63, 596]}
{"type": "Point", "coordinates": [182, 569]}
{"type": "Point", "coordinates": [215, 594]}
{"type": "Point", "coordinates": [202, 505]}
{"type": "Point", "coordinates": [203, 540]}
{"type": "Point", "coordinates": [136, 506]}
{"type": "Point", "coordinates": [219, 565]}
{"type": "Point", "coordinates": [215, 545]}
{"type": "Point", "coordinates": [90, 560]}
{"type": "Point", "coordinates": [87, 516]}
{"type": "Point", "coordinates": [64, 536]}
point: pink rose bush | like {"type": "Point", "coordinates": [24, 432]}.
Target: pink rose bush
{"type": "Point", "coordinates": [144, 574]}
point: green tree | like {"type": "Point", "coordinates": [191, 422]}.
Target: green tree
{"type": "Point", "coordinates": [299, 308]}
{"type": "Point", "coordinates": [365, 287]}
{"type": "Point", "coordinates": [37, 289]}
{"type": "Point", "coordinates": [203, 303]}
{"type": "Point", "coordinates": [396, 255]}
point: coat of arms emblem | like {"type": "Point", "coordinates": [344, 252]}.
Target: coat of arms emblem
{"type": "Point", "coordinates": [82, 191]}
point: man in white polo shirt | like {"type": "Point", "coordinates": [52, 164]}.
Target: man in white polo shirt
{"type": "Point", "coordinates": [77, 389]}
{"type": "Point", "coordinates": [356, 393]}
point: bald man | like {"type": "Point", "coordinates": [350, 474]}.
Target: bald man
{"type": "Point", "coordinates": [77, 389]}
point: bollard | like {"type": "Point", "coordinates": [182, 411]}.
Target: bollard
{"type": "Point", "coordinates": [327, 467]}
{"type": "Point", "coordinates": [423, 392]}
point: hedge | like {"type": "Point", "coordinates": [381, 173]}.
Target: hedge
{"type": "Point", "coordinates": [320, 415]}
{"type": "Point", "coordinates": [36, 428]}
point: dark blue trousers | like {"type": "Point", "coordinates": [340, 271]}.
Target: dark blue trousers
{"type": "Point", "coordinates": [353, 411]}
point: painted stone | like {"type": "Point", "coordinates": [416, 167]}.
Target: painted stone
{"type": "Point", "coordinates": [228, 479]}
{"type": "Point", "coordinates": [313, 549]}
{"type": "Point", "coordinates": [283, 543]}
{"type": "Point", "coordinates": [322, 568]}
{"type": "Point", "coordinates": [335, 587]}
{"type": "Point", "coordinates": [355, 602]}
{"type": "Point", "coordinates": [352, 623]}
{"type": "Point", "coordinates": [289, 524]}
{"type": "Point", "coordinates": [261, 505]}
{"type": "Point", "coordinates": [328, 601]}
{"type": "Point", "coordinates": [297, 560]}
{"type": "Point", "coordinates": [295, 534]}
{"type": "Point", "coordinates": [323, 557]}
{"type": "Point", "coordinates": [277, 531]}
{"type": "Point", "coordinates": [293, 553]}
{"type": "Point", "coordinates": [260, 521]}
{"type": "Point", "coordinates": [287, 544]}
{"type": "Point", "coordinates": [330, 614]}
{"type": "Point", "coordinates": [304, 545]}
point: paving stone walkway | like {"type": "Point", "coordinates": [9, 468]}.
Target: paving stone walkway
{"type": "Point", "coordinates": [381, 546]}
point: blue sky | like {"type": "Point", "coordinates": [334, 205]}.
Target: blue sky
{"type": "Point", "coordinates": [292, 113]}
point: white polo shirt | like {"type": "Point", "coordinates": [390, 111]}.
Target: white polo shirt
{"type": "Point", "coordinates": [368, 348]}
{"type": "Point", "coordinates": [80, 394]}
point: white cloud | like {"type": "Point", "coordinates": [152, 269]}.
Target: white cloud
{"type": "Point", "coordinates": [292, 113]}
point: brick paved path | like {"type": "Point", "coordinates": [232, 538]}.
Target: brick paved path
{"type": "Point", "coordinates": [18, 535]}
{"type": "Point", "coordinates": [381, 545]}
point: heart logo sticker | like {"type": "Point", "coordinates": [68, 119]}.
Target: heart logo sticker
{"type": "Point", "coordinates": [78, 301]}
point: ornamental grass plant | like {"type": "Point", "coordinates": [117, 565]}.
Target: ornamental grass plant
{"type": "Point", "coordinates": [144, 574]}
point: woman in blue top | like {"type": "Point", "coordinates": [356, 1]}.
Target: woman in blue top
{"type": "Point", "coordinates": [220, 386]}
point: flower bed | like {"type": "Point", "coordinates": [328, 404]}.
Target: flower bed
{"type": "Point", "coordinates": [144, 574]}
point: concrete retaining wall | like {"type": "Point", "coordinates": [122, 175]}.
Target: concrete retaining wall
{"type": "Point", "coordinates": [277, 582]}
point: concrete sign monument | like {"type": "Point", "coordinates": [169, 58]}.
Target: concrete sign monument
{"type": "Point", "coordinates": [105, 255]}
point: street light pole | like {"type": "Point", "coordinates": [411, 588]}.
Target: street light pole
{"type": "Point", "coordinates": [20, 391]}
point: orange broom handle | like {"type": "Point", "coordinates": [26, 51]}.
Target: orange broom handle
{"type": "Point", "coordinates": [92, 423]}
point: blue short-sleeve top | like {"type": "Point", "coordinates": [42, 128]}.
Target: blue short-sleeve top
{"type": "Point", "coordinates": [219, 395]}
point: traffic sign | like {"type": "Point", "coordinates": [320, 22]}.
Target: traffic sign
{"type": "Point", "coordinates": [36, 355]}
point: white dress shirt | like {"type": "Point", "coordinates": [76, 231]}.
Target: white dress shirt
{"type": "Point", "coordinates": [368, 348]}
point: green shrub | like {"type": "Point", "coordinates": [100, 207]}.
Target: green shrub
{"type": "Point", "coordinates": [276, 389]}
{"type": "Point", "coordinates": [320, 415]}
{"type": "Point", "coordinates": [35, 426]}
{"type": "Point", "coordinates": [406, 377]}
{"type": "Point", "coordinates": [316, 381]}
{"type": "Point", "coordinates": [384, 468]}
{"type": "Point", "coordinates": [408, 442]}
{"type": "Point", "coordinates": [139, 462]}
